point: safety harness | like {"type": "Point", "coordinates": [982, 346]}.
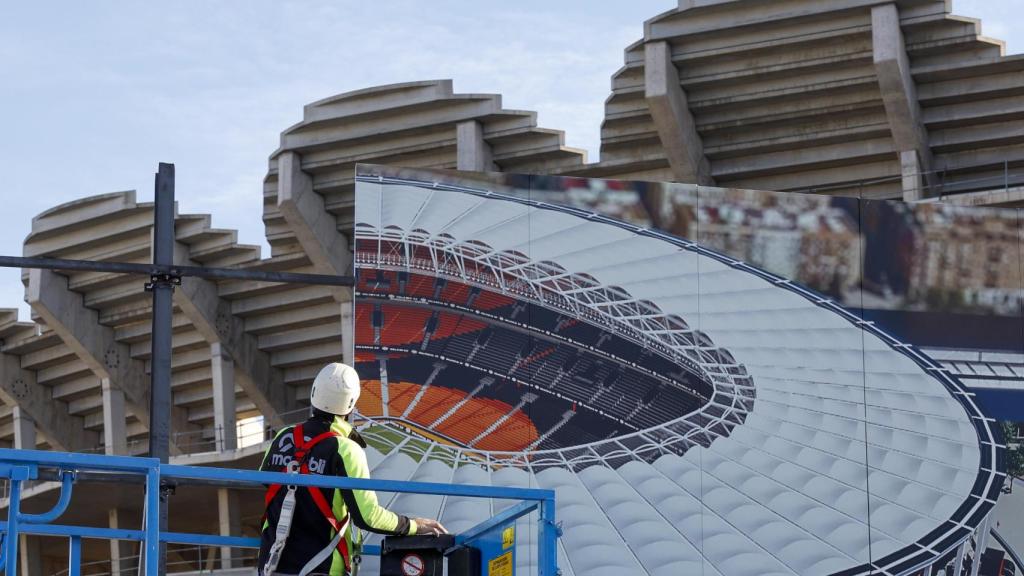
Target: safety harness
{"type": "Point", "coordinates": [298, 465]}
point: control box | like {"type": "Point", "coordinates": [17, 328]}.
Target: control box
{"type": "Point", "coordinates": [493, 554]}
{"type": "Point", "coordinates": [414, 555]}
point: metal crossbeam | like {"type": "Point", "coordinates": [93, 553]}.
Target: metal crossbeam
{"type": "Point", "coordinates": [172, 270]}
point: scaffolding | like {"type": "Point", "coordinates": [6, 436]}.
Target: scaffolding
{"type": "Point", "coordinates": [20, 466]}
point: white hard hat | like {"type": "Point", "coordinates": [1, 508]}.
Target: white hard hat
{"type": "Point", "coordinates": [335, 389]}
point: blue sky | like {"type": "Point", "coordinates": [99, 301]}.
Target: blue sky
{"type": "Point", "coordinates": [94, 94]}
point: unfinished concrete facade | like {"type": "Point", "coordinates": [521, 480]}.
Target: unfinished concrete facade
{"type": "Point", "coordinates": [881, 99]}
{"type": "Point", "coordinates": [884, 99]}
{"type": "Point", "coordinates": [76, 377]}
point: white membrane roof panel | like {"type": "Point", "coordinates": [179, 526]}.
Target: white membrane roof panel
{"type": "Point", "coordinates": [838, 407]}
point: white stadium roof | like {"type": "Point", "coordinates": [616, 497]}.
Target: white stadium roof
{"type": "Point", "coordinates": [857, 455]}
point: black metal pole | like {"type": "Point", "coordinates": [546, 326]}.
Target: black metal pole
{"type": "Point", "coordinates": [163, 291]}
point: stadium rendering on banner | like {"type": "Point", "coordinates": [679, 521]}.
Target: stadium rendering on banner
{"type": "Point", "coordinates": [523, 341]}
{"type": "Point", "coordinates": [712, 375]}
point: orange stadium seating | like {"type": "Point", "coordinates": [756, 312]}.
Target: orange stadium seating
{"type": "Point", "coordinates": [490, 301]}
{"type": "Point", "coordinates": [421, 286]}
{"type": "Point", "coordinates": [400, 395]}
{"type": "Point", "coordinates": [455, 292]}
{"type": "Point", "coordinates": [403, 325]}
{"type": "Point", "coordinates": [369, 403]}
{"type": "Point", "coordinates": [475, 416]}
{"type": "Point", "coordinates": [454, 324]}
{"type": "Point", "coordinates": [434, 403]}
{"type": "Point", "coordinates": [376, 280]}
{"type": "Point", "coordinates": [364, 326]}
{"type": "Point", "coordinates": [514, 434]}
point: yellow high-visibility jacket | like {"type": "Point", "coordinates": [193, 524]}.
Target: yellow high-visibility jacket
{"type": "Point", "coordinates": [311, 531]}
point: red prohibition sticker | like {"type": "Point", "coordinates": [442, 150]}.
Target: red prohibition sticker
{"type": "Point", "coordinates": [412, 565]}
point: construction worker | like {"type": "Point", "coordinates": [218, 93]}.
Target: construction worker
{"type": "Point", "coordinates": [306, 531]}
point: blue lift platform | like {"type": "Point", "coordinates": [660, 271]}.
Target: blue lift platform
{"type": "Point", "coordinates": [491, 537]}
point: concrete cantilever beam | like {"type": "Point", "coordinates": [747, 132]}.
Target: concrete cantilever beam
{"type": "Point", "coordinates": [212, 317]}
{"type": "Point", "coordinates": [899, 94]}
{"type": "Point", "coordinates": [676, 126]}
{"type": "Point", "coordinates": [95, 344]}
{"type": "Point", "coordinates": [18, 387]}
{"type": "Point", "coordinates": [415, 124]}
{"type": "Point", "coordinates": [315, 227]}
{"type": "Point", "coordinates": [317, 232]}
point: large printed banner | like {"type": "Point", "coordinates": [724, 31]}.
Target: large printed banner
{"type": "Point", "coordinates": [714, 381]}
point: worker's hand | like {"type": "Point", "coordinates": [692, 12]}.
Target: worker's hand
{"type": "Point", "coordinates": [428, 527]}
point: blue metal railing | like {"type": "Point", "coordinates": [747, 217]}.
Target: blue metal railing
{"type": "Point", "coordinates": [19, 466]}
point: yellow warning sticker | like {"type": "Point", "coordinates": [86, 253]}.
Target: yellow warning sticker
{"type": "Point", "coordinates": [508, 537]}
{"type": "Point", "coordinates": [500, 566]}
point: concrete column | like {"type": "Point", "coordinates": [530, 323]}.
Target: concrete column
{"type": "Point", "coordinates": [473, 153]}
{"type": "Point", "coordinates": [223, 367]}
{"type": "Point", "coordinates": [910, 168]}
{"type": "Point", "coordinates": [230, 524]}
{"type": "Point", "coordinates": [24, 430]}
{"type": "Point", "coordinates": [30, 556]}
{"type": "Point", "coordinates": [899, 94]}
{"type": "Point", "coordinates": [210, 564]}
{"type": "Point", "coordinates": [348, 333]}
{"type": "Point", "coordinates": [670, 111]}
{"type": "Point", "coordinates": [115, 431]}
{"type": "Point", "coordinates": [121, 551]}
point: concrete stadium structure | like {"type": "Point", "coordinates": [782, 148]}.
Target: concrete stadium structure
{"type": "Point", "coordinates": [859, 97]}
{"type": "Point", "coordinates": [882, 99]}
